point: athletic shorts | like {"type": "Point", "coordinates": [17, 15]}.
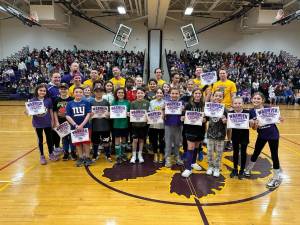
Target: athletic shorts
{"type": "Point", "coordinates": [139, 132]}
{"type": "Point", "coordinates": [99, 137]}
{"type": "Point", "coordinates": [193, 137]}
{"type": "Point", "coordinates": [84, 142]}
{"type": "Point", "coordinates": [120, 132]}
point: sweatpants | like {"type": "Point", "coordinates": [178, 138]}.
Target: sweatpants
{"type": "Point", "coordinates": [214, 152]}
{"type": "Point", "coordinates": [48, 134]}
{"type": "Point", "coordinates": [173, 137]}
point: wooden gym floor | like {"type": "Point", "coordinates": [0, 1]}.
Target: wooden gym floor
{"type": "Point", "coordinates": [59, 193]}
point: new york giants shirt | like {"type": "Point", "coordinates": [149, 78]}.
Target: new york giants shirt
{"type": "Point", "coordinates": [78, 111]}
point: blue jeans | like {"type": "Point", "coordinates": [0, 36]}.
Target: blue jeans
{"type": "Point", "coordinates": [67, 143]}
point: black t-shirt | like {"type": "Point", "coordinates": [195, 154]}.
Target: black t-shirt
{"type": "Point", "coordinates": [100, 124]}
{"type": "Point", "coordinates": [240, 135]}
{"type": "Point", "coordinates": [59, 106]}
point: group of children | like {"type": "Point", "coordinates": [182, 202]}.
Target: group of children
{"type": "Point", "coordinates": [165, 138]}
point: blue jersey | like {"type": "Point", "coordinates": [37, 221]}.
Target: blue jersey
{"type": "Point", "coordinates": [78, 111]}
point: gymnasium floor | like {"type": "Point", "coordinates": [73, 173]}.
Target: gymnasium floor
{"type": "Point", "coordinates": [60, 193]}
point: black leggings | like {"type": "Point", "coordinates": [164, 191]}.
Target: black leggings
{"type": "Point", "coordinates": [39, 133]}
{"type": "Point", "coordinates": [55, 139]}
{"type": "Point", "coordinates": [273, 144]}
{"type": "Point", "coordinates": [237, 147]}
{"type": "Point", "coordinates": [156, 139]}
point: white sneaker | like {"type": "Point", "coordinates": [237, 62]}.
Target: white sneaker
{"type": "Point", "coordinates": [133, 158]}
{"type": "Point", "coordinates": [186, 173]}
{"type": "Point", "coordinates": [140, 158]}
{"type": "Point", "coordinates": [273, 183]}
{"type": "Point", "coordinates": [210, 171]}
{"type": "Point", "coordinates": [216, 172]}
{"type": "Point", "coordinates": [195, 166]}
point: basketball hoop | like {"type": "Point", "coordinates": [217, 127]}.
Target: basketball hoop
{"type": "Point", "coordinates": [280, 14]}
{"type": "Point", "coordinates": [34, 16]}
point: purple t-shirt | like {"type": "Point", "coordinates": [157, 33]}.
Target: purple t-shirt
{"type": "Point", "coordinates": [43, 120]}
{"type": "Point", "coordinates": [173, 120]}
{"type": "Point", "coordinates": [267, 132]}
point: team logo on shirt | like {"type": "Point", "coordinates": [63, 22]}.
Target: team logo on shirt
{"type": "Point", "coordinates": [78, 111]}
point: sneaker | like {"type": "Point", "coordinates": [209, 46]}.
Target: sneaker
{"type": "Point", "coordinates": [247, 173]}
{"type": "Point", "coordinates": [216, 172]}
{"type": "Point", "coordinates": [140, 158]}
{"type": "Point", "coordinates": [210, 171]}
{"type": "Point", "coordinates": [73, 156]}
{"type": "Point", "coordinates": [65, 157]}
{"type": "Point", "coordinates": [186, 173]}
{"type": "Point", "coordinates": [43, 160]}
{"type": "Point", "coordinates": [79, 162]}
{"type": "Point", "coordinates": [57, 151]}
{"type": "Point", "coordinates": [155, 160]}
{"type": "Point", "coordinates": [228, 145]}
{"type": "Point", "coordinates": [108, 158]}
{"type": "Point", "coordinates": [161, 158]}
{"type": "Point", "coordinates": [88, 162]}
{"type": "Point", "coordinates": [179, 162]}
{"type": "Point", "coordinates": [119, 160]}
{"type": "Point", "coordinates": [124, 157]}
{"type": "Point", "coordinates": [200, 155]}
{"type": "Point", "coordinates": [195, 166]}
{"type": "Point", "coordinates": [273, 183]}
{"type": "Point", "coordinates": [234, 173]}
{"type": "Point", "coordinates": [53, 157]}
{"type": "Point", "coordinates": [168, 163]}
{"type": "Point", "coordinates": [133, 159]}
{"type": "Point", "coordinates": [241, 174]}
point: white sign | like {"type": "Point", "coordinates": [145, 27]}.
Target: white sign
{"type": "Point", "coordinates": [35, 108]}
{"type": "Point", "coordinates": [209, 78]}
{"type": "Point", "coordinates": [267, 116]}
{"type": "Point", "coordinates": [238, 120]}
{"type": "Point", "coordinates": [118, 111]}
{"type": "Point", "coordinates": [78, 136]}
{"type": "Point", "coordinates": [155, 117]}
{"type": "Point", "coordinates": [193, 118]}
{"type": "Point", "coordinates": [138, 115]}
{"type": "Point", "coordinates": [99, 111]}
{"type": "Point", "coordinates": [213, 109]}
{"type": "Point", "coordinates": [63, 129]}
{"type": "Point", "coordinates": [173, 108]}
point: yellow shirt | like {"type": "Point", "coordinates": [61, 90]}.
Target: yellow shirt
{"type": "Point", "coordinates": [89, 82]}
{"type": "Point", "coordinates": [71, 89]}
{"type": "Point", "coordinates": [197, 83]}
{"type": "Point", "coordinates": [228, 88]}
{"type": "Point", "coordinates": [118, 82]}
{"type": "Point", "coordinates": [160, 82]}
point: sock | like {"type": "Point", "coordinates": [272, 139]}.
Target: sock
{"type": "Point", "coordinates": [118, 150]}
{"type": "Point", "coordinates": [189, 159]}
{"type": "Point", "coordinates": [95, 151]}
{"type": "Point", "coordinates": [107, 151]}
{"type": "Point", "coordinates": [276, 174]}
{"type": "Point", "coordinates": [133, 153]}
{"type": "Point", "coordinates": [251, 165]}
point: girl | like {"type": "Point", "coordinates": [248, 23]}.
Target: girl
{"type": "Point", "coordinates": [100, 126]}
{"type": "Point", "coordinates": [268, 133]}
{"type": "Point", "coordinates": [216, 133]}
{"type": "Point", "coordinates": [120, 126]}
{"type": "Point", "coordinates": [109, 92]}
{"type": "Point", "coordinates": [173, 132]}
{"type": "Point", "coordinates": [78, 114]}
{"type": "Point", "coordinates": [156, 131]}
{"type": "Point", "coordinates": [152, 85]}
{"type": "Point", "coordinates": [138, 82]}
{"type": "Point", "coordinates": [139, 129]}
{"type": "Point", "coordinates": [44, 122]}
{"type": "Point", "coordinates": [194, 134]}
{"type": "Point", "coordinates": [87, 93]}
{"type": "Point", "coordinates": [240, 140]}
{"type": "Point", "coordinates": [166, 88]}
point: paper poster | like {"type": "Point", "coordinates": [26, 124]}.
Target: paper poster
{"type": "Point", "coordinates": [155, 117]}
{"type": "Point", "coordinates": [138, 115]}
{"type": "Point", "coordinates": [63, 129]}
{"type": "Point", "coordinates": [99, 111]}
{"type": "Point", "coordinates": [209, 78]}
{"type": "Point", "coordinates": [118, 111]}
{"type": "Point", "coordinates": [267, 116]}
{"type": "Point", "coordinates": [80, 135]}
{"type": "Point", "coordinates": [193, 118]}
{"type": "Point", "coordinates": [35, 108]}
{"type": "Point", "coordinates": [173, 108]}
{"type": "Point", "coordinates": [213, 109]}
{"type": "Point", "coordinates": [238, 120]}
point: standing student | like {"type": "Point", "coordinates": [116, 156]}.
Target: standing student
{"type": "Point", "coordinates": [100, 126]}
{"type": "Point", "coordinates": [152, 85]}
{"type": "Point", "coordinates": [173, 132]}
{"type": "Point", "coordinates": [87, 93]}
{"type": "Point", "coordinates": [120, 126]}
{"type": "Point", "coordinates": [268, 133]}
{"type": "Point", "coordinates": [44, 122]}
{"type": "Point", "coordinates": [109, 92]}
{"type": "Point", "coordinates": [194, 134]}
{"type": "Point", "coordinates": [78, 114]}
{"type": "Point", "coordinates": [157, 131]}
{"type": "Point", "coordinates": [166, 88]}
{"type": "Point", "coordinates": [139, 129]}
{"type": "Point", "coordinates": [240, 140]}
{"type": "Point", "coordinates": [216, 133]}
{"type": "Point", "coordinates": [59, 109]}
{"type": "Point", "coordinates": [130, 89]}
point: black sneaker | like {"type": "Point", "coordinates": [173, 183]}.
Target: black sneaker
{"type": "Point", "coordinates": [241, 174]}
{"type": "Point", "coordinates": [88, 162]}
{"type": "Point", "coordinates": [79, 162]}
{"type": "Point", "coordinates": [65, 157]}
{"type": "Point", "coordinates": [228, 146]}
{"type": "Point", "coordinates": [124, 158]}
{"type": "Point", "coordinates": [234, 173]}
{"type": "Point", "coordinates": [73, 156]}
{"type": "Point", "coordinates": [119, 160]}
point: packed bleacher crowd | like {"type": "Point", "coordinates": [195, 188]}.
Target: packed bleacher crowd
{"type": "Point", "coordinates": [24, 70]}
{"type": "Point", "coordinates": [276, 76]}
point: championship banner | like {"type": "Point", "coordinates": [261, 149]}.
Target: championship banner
{"type": "Point", "coordinates": [138, 115]}
{"type": "Point", "coordinates": [99, 111]}
{"type": "Point", "coordinates": [63, 129]}
{"type": "Point", "coordinates": [173, 108]}
{"type": "Point", "coordinates": [118, 112]}
{"type": "Point", "coordinates": [80, 135]}
{"type": "Point", "coordinates": [35, 108]}
{"type": "Point", "coordinates": [209, 78]}
{"type": "Point", "coordinates": [238, 120]}
{"type": "Point", "coordinates": [155, 117]}
{"type": "Point", "coordinates": [193, 118]}
{"type": "Point", "coordinates": [267, 116]}
{"type": "Point", "coordinates": [213, 109]}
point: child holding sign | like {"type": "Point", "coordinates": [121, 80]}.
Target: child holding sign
{"type": "Point", "coordinates": [216, 133]}
{"type": "Point", "coordinates": [120, 125]}
{"type": "Point", "coordinates": [43, 122]}
{"type": "Point", "coordinates": [100, 124]}
{"type": "Point", "coordinates": [173, 127]}
{"type": "Point", "coordinates": [78, 114]}
{"type": "Point", "coordinates": [194, 133]}
{"type": "Point", "coordinates": [139, 129]}
{"type": "Point", "coordinates": [267, 133]}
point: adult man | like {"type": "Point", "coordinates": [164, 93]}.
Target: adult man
{"type": "Point", "coordinates": [77, 83]}
{"type": "Point", "coordinates": [198, 84]}
{"type": "Point", "coordinates": [93, 77]}
{"type": "Point", "coordinates": [74, 70]}
{"type": "Point", "coordinates": [158, 76]}
{"type": "Point", "coordinates": [117, 80]}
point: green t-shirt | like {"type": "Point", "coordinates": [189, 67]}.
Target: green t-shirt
{"type": "Point", "coordinates": [123, 122]}
{"type": "Point", "coordinates": [144, 104]}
